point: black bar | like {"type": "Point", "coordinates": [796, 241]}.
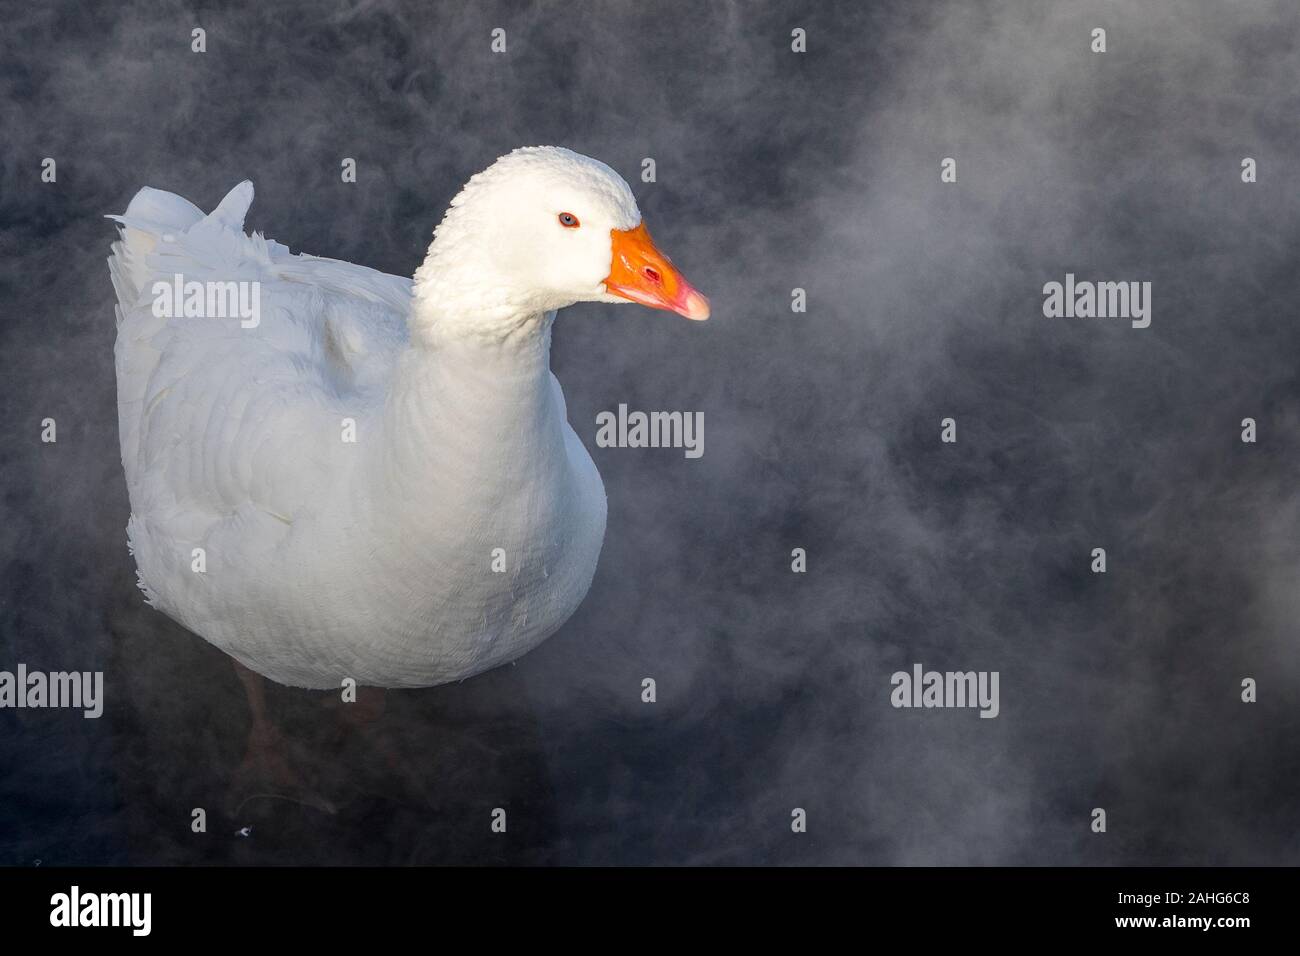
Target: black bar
{"type": "Point", "coordinates": [327, 905]}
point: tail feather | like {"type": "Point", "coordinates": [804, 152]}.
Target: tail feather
{"type": "Point", "coordinates": [232, 210]}
{"type": "Point", "coordinates": [152, 214]}
{"type": "Point", "coordinates": [155, 224]}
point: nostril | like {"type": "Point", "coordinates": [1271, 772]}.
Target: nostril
{"type": "Point", "coordinates": [651, 274]}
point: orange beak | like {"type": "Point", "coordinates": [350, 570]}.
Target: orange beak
{"type": "Point", "coordinates": [641, 273]}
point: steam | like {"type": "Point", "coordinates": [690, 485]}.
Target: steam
{"type": "Point", "coordinates": [775, 171]}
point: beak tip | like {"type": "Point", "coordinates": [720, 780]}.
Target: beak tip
{"type": "Point", "coordinates": [696, 307]}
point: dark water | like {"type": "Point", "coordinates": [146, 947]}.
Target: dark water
{"type": "Point", "coordinates": [775, 170]}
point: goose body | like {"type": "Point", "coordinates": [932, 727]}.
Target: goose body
{"type": "Point", "coordinates": [376, 479]}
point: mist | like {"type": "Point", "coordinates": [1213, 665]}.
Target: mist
{"type": "Point", "coordinates": [775, 171]}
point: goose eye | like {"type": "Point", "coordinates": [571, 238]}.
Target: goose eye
{"type": "Point", "coordinates": [568, 220]}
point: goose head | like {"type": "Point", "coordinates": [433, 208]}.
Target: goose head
{"type": "Point", "coordinates": [540, 229]}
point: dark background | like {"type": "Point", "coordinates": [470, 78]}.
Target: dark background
{"type": "Point", "coordinates": [775, 170]}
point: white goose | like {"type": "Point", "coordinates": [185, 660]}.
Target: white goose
{"type": "Point", "coordinates": [322, 558]}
